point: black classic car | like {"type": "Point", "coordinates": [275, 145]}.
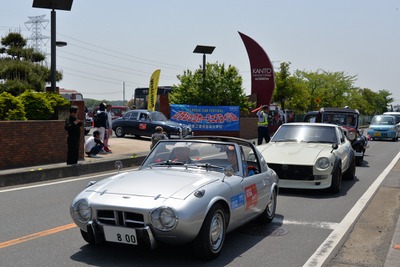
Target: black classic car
{"type": "Point", "coordinates": [347, 118]}
{"type": "Point", "coordinates": [141, 122]}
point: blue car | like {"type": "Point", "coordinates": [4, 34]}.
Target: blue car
{"type": "Point", "coordinates": [383, 127]}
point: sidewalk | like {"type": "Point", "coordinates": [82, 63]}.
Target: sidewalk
{"type": "Point", "coordinates": [129, 150]}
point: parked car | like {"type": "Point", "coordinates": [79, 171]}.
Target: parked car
{"type": "Point", "coordinates": [383, 127]}
{"type": "Point", "coordinates": [310, 156]}
{"type": "Point", "coordinates": [397, 120]}
{"type": "Point", "coordinates": [88, 122]}
{"type": "Point", "coordinates": [348, 120]}
{"type": "Point", "coordinates": [185, 192]}
{"type": "Point", "coordinates": [140, 122]}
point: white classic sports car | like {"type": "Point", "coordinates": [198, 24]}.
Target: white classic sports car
{"type": "Point", "coordinates": [310, 156]}
{"type": "Point", "coordinates": [191, 190]}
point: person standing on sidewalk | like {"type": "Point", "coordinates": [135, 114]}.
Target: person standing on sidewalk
{"type": "Point", "coordinates": [263, 131]}
{"type": "Point", "coordinates": [108, 128]}
{"type": "Point", "coordinates": [73, 127]}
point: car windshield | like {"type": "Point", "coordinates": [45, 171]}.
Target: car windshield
{"type": "Point", "coordinates": [382, 120]}
{"type": "Point", "coordinates": [158, 116]}
{"type": "Point", "coordinates": [193, 154]}
{"type": "Point", "coordinates": [347, 119]}
{"type": "Point", "coordinates": [305, 133]}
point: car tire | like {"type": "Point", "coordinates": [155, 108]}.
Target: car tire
{"type": "Point", "coordinates": [336, 180]}
{"type": "Point", "coordinates": [119, 132]}
{"type": "Point", "coordinates": [208, 243]}
{"type": "Point", "coordinates": [360, 160]}
{"type": "Point", "coordinates": [88, 237]}
{"type": "Point", "coordinates": [351, 171]}
{"type": "Point", "coordinates": [269, 213]}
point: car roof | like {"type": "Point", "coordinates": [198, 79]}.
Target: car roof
{"type": "Point", "coordinates": [339, 110]}
{"type": "Point", "coordinates": [391, 113]}
{"type": "Point", "coordinates": [310, 124]}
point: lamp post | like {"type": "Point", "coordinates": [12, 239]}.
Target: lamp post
{"type": "Point", "coordinates": [53, 5]}
{"type": "Point", "coordinates": [202, 49]}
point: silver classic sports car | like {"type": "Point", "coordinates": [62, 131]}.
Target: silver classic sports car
{"type": "Point", "coordinates": [310, 156]}
{"type": "Point", "coordinates": [187, 191]}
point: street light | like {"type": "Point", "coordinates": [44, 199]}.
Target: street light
{"type": "Point", "coordinates": [60, 5]}
{"type": "Point", "coordinates": [202, 49]}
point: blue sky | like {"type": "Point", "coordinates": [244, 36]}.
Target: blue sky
{"type": "Point", "coordinates": [116, 45]}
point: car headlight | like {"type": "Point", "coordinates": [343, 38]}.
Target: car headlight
{"type": "Point", "coordinates": [323, 163]}
{"type": "Point", "coordinates": [351, 136]}
{"type": "Point", "coordinates": [82, 210]}
{"type": "Point", "coordinates": [163, 219]}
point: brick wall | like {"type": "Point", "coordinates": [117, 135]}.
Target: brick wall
{"type": "Point", "coordinates": [32, 143]}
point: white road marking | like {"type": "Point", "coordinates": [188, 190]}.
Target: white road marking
{"type": "Point", "coordinates": [58, 182]}
{"type": "Point", "coordinates": [321, 225]}
{"type": "Point", "coordinates": [328, 247]}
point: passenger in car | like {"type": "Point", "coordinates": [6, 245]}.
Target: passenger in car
{"type": "Point", "coordinates": [231, 154]}
{"type": "Point", "coordinates": [181, 154]}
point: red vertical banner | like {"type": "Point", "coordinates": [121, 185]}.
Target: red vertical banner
{"type": "Point", "coordinates": [262, 71]}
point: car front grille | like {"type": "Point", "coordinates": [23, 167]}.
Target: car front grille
{"type": "Point", "coordinates": [293, 172]}
{"type": "Point", "coordinates": [120, 218]}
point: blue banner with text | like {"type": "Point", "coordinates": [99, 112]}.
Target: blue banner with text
{"type": "Point", "coordinates": [207, 118]}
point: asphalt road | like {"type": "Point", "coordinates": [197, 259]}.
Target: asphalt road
{"type": "Point", "coordinates": [36, 228]}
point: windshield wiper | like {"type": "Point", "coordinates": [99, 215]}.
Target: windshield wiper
{"type": "Point", "coordinates": [166, 162]}
{"type": "Point", "coordinates": [207, 166]}
{"type": "Point", "coordinates": [287, 140]}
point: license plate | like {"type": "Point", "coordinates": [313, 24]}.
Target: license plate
{"type": "Point", "coordinates": [377, 134]}
{"type": "Point", "coordinates": [120, 235]}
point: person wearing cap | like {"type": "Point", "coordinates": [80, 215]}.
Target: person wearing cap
{"type": "Point", "coordinates": [263, 131]}
{"type": "Point", "coordinates": [73, 127]}
{"type": "Point", "coordinates": [93, 145]}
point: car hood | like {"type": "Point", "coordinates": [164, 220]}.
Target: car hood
{"type": "Point", "coordinates": [171, 123]}
{"type": "Point", "coordinates": [294, 153]}
{"type": "Point", "coordinates": [161, 183]}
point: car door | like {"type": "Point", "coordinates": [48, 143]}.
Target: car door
{"type": "Point", "coordinates": [256, 187]}
{"type": "Point", "coordinates": [344, 149]}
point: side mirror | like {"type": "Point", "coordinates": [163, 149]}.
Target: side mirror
{"type": "Point", "coordinates": [335, 146]}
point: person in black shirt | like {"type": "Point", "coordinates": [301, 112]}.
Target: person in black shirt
{"type": "Point", "coordinates": [73, 127]}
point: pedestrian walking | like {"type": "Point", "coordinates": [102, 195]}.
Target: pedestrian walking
{"type": "Point", "coordinates": [263, 131]}
{"type": "Point", "coordinates": [157, 136]}
{"type": "Point", "coordinates": [73, 127]}
{"type": "Point", "coordinates": [108, 128]}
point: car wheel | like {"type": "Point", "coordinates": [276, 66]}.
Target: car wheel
{"type": "Point", "coordinates": [209, 242]}
{"type": "Point", "coordinates": [119, 132]}
{"type": "Point", "coordinates": [359, 160]}
{"type": "Point", "coordinates": [351, 171]}
{"type": "Point", "coordinates": [336, 180]}
{"type": "Point", "coordinates": [88, 237]}
{"type": "Point", "coordinates": [269, 213]}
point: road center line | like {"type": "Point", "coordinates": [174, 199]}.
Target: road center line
{"type": "Point", "coordinates": [36, 235]}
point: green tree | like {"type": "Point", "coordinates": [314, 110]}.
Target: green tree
{"type": "Point", "coordinates": [222, 87]}
{"type": "Point", "coordinates": [41, 106]}
{"type": "Point", "coordinates": [290, 90]}
{"type": "Point", "coordinates": [20, 67]}
{"type": "Point", "coordinates": [11, 108]}
{"type": "Point", "coordinates": [327, 89]}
